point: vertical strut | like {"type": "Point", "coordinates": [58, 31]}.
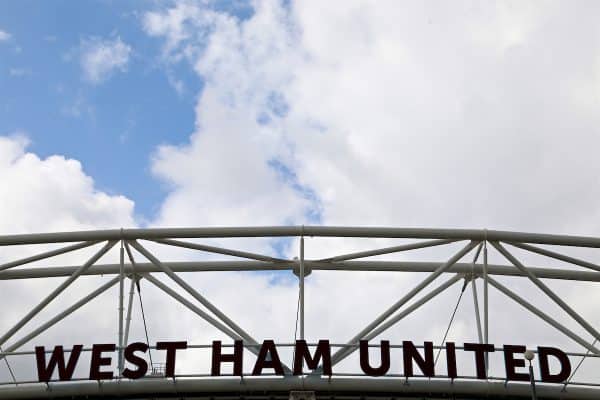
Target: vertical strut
{"type": "Point", "coordinates": [302, 288]}
{"type": "Point", "coordinates": [485, 303]}
{"type": "Point", "coordinates": [129, 307]}
{"type": "Point", "coordinates": [474, 287]}
{"type": "Point", "coordinates": [121, 288]}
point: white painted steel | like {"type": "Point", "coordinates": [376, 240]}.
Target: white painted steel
{"type": "Point", "coordinates": [338, 385]}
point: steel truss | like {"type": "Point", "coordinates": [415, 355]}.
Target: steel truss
{"type": "Point", "coordinates": [133, 244]}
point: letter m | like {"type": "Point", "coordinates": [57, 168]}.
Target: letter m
{"type": "Point", "coordinates": [65, 372]}
{"type": "Point", "coordinates": [301, 353]}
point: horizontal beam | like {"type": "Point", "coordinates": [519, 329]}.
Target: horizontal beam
{"type": "Point", "coordinates": [297, 231]}
{"type": "Point", "coordinates": [330, 388]}
{"type": "Point", "coordinates": [374, 266]}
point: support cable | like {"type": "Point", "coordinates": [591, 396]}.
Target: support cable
{"type": "Point", "coordinates": [137, 284]}
{"type": "Point", "coordinates": [587, 353]}
{"type": "Point", "coordinates": [462, 291]}
{"type": "Point", "coordinates": [9, 368]}
{"type": "Point", "coordinates": [296, 326]}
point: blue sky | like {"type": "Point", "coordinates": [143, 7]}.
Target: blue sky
{"type": "Point", "coordinates": [112, 127]}
{"type": "Point", "coordinates": [202, 113]}
{"type": "Point", "coordinates": [301, 112]}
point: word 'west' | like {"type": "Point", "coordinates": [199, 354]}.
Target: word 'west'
{"type": "Point", "coordinates": [268, 359]}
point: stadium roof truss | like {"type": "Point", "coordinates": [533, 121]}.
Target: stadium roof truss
{"type": "Point", "coordinates": [138, 262]}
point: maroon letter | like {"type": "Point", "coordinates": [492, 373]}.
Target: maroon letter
{"type": "Point", "coordinates": [565, 364]}
{"type": "Point", "coordinates": [236, 358]}
{"type": "Point", "coordinates": [171, 348]}
{"type": "Point", "coordinates": [410, 353]}
{"type": "Point", "coordinates": [98, 361]}
{"type": "Point", "coordinates": [301, 352]}
{"type": "Point", "coordinates": [57, 358]}
{"type": "Point", "coordinates": [384, 352]}
{"type": "Point", "coordinates": [480, 350]}
{"type": "Point", "coordinates": [451, 359]}
{"type": "Point", "coordinates": [510, 363]}
{"type": "Point", "coordinates": [267, 358]}
{"type": "Point", "coordinates": [135, 360]}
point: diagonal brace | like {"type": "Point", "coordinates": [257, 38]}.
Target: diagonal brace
{"type": "Point", "coordinates": [524, 303]}
{"type": "Point", "coordinates": [181, 282]}
{"type": "Point", "coordinates": [406, 298]}
{"type": "Point", "coordinates": [387, 250]}
{"type": "Point", "coordinates": [56, 292]}
{"type": "Point", "coordinates": [218, 250]}
{"type": "Point", "coordinates": [60, 316]}
{"type": "Point", "coordinates": [410, 309]}
{"type": "Point", "coordinates": [592, 331]}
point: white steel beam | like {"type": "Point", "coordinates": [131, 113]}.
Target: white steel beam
{"type": "Point", "coordinates": [557, 256]}
{"type": "Point", "coordinates": [407, 297]}
{"type": "Point", "coordinates": [536, 281]}
{"type": "Point", "coordinates": [56, 292]}
{"type": "Point", "coordinates": [219, 250]}
{"type": "Point", "coordinates": [346, 351]}
{"type": "Point", "coordinates": [47, 254]}
{"type": "Point", "coordinates": [297, 231]}
{"type": "Point", "coordinates": [60, 316]}
{"type": "Point", "coordinates": [181, 282]}
{"type": "Point", "coordinates": [368, 266]}
{"type": "Point", "coordinates": [388, 250]}
{"type": "Point", "coordinates": [548, 319]}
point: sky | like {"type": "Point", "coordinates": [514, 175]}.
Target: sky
{"type": "Point", "coordinates": [234, 113]}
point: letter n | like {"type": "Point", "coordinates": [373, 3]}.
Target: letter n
{"type": "Point", "coordinates": [56, 359]}
{"type": "Point", "coordinates": [410, 353]}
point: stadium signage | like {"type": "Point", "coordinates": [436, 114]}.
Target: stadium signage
{"type": "Point", "coordinates": [268, 360]}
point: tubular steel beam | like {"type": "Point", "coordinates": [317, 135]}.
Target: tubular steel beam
{"type": "Point", "coordinates": [47, 254]}
{"type": "Point", "coordinates": [346, 351]}
{"type": "Point", "coordinates": [591, 330]}
{"type": "Point", "coordinates": [61, 316]}
{"type": "Point", "coordinates": [129, 309]}
{"type": "Point", "coordinates": [217, 324]}
{"type": "Point", "coordinates": [373, 266]}
{"type": "Point", "coordinates": [557, 325]}
{"type": "Point", "coordinates": [558, 256]}
{"type": "Point", "coordinates": [181, 282]}
{"type": "Point", "coordinates": [388, 250]}
{"type": "Point", "coordinates": [218, 250]}
{"type": "Point", "coordinates": [297, 231]}
{"type": "Point", "coordinates": [475, 300]}
{"type": "Point", "coordinates": [214, 322]}
{"type": "Point", "coordinates": [301, 288]}
{"type": "Point", "coordinates": [477, 313]}
{"type": "Point", "coordinates": [56, 292]}
{"type": "Point", "coordinates": [121, 294]}
{"type": "Point", "coordinates": [333, 388]}
{"type": "Point", "coordinates": [486, 309]}
{"type": "Point", "coordinates": [407, 297]}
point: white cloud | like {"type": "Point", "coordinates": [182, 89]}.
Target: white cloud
{"type": "Point", "coordinates": [53, 194]}
{"type": "Point", "coordinates": [457, 116]}
{"type": "Point", "coordinates": [100, 58]}
{"type": "Point", "coordinates": [4, 36]}
{"type": "Point", "coordinates": [19, 72]}
{"type": "Point", "coordinates": [380, 115]}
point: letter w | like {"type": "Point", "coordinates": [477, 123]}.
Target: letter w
{"type": "Point", "coordinates": [57, 358]}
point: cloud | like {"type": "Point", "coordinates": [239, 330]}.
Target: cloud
{"type": "Point", "coordinates": [459, 116]}
{"type": "Point", "coordinates": [19, 72]}
{"type": "Point", "coordinates": [4, 36]}
{"type": "Point", "coordinates": [101, 58]}
{"type": "Point", "coordinates": [53, 194]}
